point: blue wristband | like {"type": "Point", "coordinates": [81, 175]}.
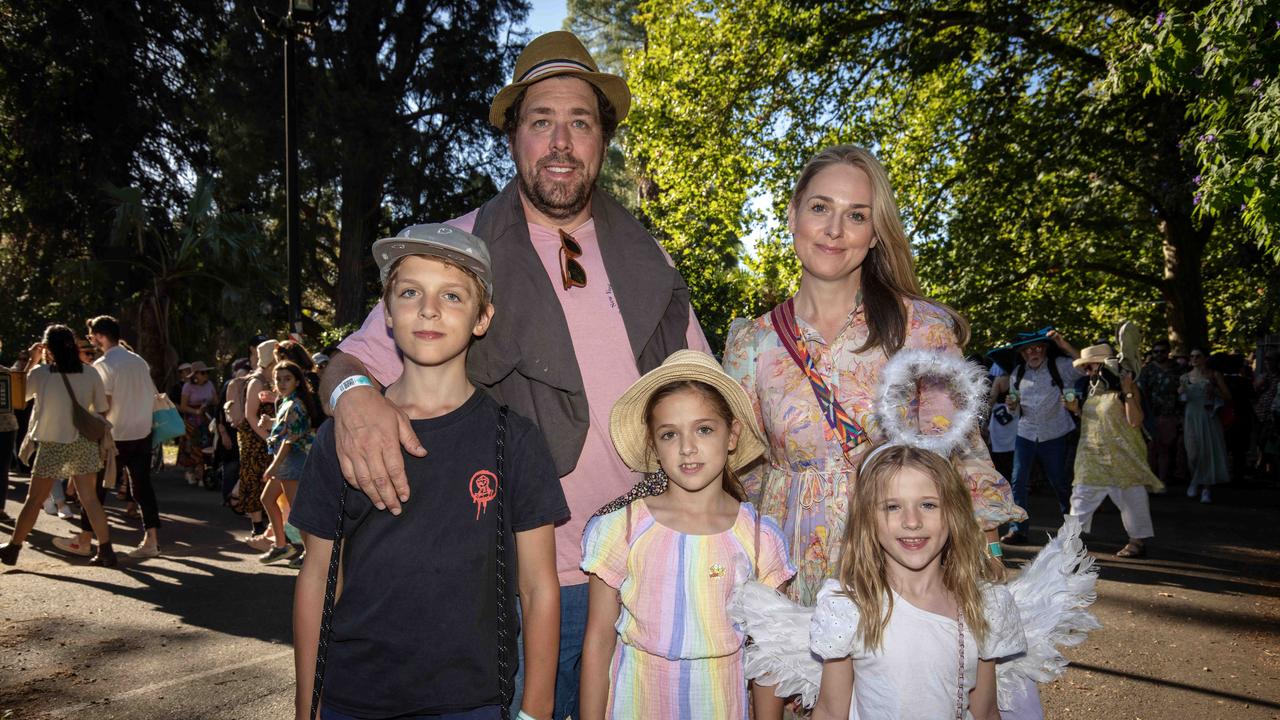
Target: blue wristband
{"type": "Point", "coordinates": [995, 550]}
{"type": "Point", "coordinates": [352, 382]}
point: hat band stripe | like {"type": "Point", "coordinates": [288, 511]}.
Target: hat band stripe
{"type": "Point", "coordinates": [551, 66]}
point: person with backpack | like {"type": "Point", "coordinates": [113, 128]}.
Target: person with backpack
{"type": "Point", "coordinates": [425, 621]}
{"type": "Point", "coordinates": [1042, 382]}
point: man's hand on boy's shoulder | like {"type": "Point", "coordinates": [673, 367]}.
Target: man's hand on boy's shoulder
{"type": "Point", "coordinates": [369, 431]}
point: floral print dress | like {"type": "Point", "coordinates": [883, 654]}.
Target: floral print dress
{"type": "Point", "coordinates": [804, 480]}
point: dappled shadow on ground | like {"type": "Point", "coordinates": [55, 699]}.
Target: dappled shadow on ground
{"type": "Point", "coordinates": [201, 578]}
{"type": "Point", "coordinates": [245, 604]}
{"type": "Point", "coordinates": [1175, 685]}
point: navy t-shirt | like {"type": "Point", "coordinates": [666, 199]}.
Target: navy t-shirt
{"type": "Point", "coordinates": [415, 630]}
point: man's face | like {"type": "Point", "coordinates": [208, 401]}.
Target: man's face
{"type": "Point", "coordinates": [1034, 354]}
{"type": "Point", "coordinates": [1161, 353]}
{"type": "Point", "coordinates": [99, 340]}
{"type": "Point", "coordinates": [558, 147]}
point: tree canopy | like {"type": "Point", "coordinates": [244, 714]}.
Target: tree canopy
{"type": "Point", "coordinates": [1049, 167]}
{"type": "Point", "coordinates": [141, 156]}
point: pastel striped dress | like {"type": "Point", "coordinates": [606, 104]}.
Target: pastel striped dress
{"type": "Point", "coordinates": [680, 656]}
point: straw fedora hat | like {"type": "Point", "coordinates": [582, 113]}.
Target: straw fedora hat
{"type": "Point", "coordinates": [1094, 354]}
{"type": "Point", "coordinates": [558, 53]}
{"type": "Point", "coordinates": [627, 425]}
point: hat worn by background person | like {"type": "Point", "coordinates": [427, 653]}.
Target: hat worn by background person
{"type": "Point", "coordinates": [267, 353]}
{"type": "Point", "coordinates": [1099, 353]}
{"type": "Point", "coordinates": [1006, 356]}
{"type": "Point", "coordinates": [555, 54]}
{"type": "Point", "coordinates": [630, 432]}
{"type": "Point", "coordinates": [440, 241]}
{"type": "Point", "coordinates": [199, 366]}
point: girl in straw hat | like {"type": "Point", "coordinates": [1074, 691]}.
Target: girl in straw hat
{"type": "Point", "coordinates": [659, 641]}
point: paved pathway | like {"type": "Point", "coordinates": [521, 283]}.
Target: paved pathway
{"type": "Point", "coordinates": [1193, 631]}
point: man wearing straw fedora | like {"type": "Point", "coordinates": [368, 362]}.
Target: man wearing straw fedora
{"type": "Point", "coordinates": [586, 301]}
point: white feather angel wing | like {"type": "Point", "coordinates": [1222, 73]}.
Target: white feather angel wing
{"type": "Point", "coordinates": [778, 653]}
{"type": "Point", "coordinates": [1053, 594]}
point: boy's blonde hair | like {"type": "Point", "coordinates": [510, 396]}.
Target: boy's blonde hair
{"type": "Point", "coordinates": [861, 570]}
{"type": "Point", "coordinates": [393, 273]}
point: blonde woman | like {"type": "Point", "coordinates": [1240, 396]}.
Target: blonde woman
{"type": "Point", "coordinates": [858, 303]}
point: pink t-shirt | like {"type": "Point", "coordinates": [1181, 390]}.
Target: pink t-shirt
{"type": "Point", "coordinates": [605, 361]}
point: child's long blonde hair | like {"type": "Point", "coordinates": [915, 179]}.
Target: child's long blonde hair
{"type": "Point", "coordinates": [861, 569]}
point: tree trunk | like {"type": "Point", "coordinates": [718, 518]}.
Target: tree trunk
{"type": "Point", "coordinates": [361, 205]}
{"type": "Point", "coordinates": [365, 156]}
{"type": "Point", "coordinates": [1183, 288]}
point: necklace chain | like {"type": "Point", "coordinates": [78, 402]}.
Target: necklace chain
{"type": "Point", "coordinates": [960, 681]}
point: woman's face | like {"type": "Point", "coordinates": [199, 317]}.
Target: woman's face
{"type": "Point", "coordinates": [1197, 359]}
{"type": "Point", "coordinates": [831, 223]}
{"type": "Point", "coordinates": [200, 378]}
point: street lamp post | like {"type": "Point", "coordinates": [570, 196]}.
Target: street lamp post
{"type": "Point", "coordinates": [298, 18]}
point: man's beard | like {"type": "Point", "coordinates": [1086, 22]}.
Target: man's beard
{"type": "Point", "coordinates": [556, 200]}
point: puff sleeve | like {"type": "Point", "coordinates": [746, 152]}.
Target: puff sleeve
{"type": "Point", "coordinates": [1005, 636]}
{"type": "Point", "coordinates": [833, 630]}
{"type": "Point", "coordinates": [605, 548]}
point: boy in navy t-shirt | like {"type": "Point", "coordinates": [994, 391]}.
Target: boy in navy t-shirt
{"type": "Point", "coordinates": [425, 622]}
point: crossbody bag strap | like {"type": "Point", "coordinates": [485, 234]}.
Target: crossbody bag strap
{"type": "Point", "coordinates": [756, 560]}
{"type": "Point", "coordinates": [847, 430]}
{"type": "Point", "coordinates": [330, 598]}
{"type": "Point", "coordinates": [505, 631]}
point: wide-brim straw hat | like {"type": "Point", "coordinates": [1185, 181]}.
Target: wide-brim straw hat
{"type": "Point", "coordinates": [199, 366]}
{"type": "Point", "coordinates": [631, 435]}
{"type": "Point", "coordinates": [553, 54]}
{"type": "Point", "coordinates": [1094, 354]}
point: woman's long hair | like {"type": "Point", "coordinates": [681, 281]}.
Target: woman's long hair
{"type": "Point", "coordinates": [729, 478]}
{"type": "Point", "coordinates": [306, 392]}
{"type": "Point", "coordinates": [889, 272]}
{"type": "Point", "coordinates": [862, 571]}
{"type": "Point", "coordinates": [61, 343]}
{"type": "Point", "coordinates": [295, 353]}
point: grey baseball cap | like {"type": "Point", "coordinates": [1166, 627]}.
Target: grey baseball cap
{"type": "Point", "coordinates": [437, 240]}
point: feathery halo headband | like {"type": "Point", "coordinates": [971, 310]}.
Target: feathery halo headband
{"type": "Point", "coordinates": [898, 382]}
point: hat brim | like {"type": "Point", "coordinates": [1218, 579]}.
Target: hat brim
{"type": "Point", "coordinates": [631, 435]}
{"type": "Point", "coordinates": [613, 87]}
{"type": "Point", "coordinates": [1006, 356]}
{"type": "Point", "coordinates": [394, 248]}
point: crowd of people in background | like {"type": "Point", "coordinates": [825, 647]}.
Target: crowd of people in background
{"type": "Point", "coordinates": [246, 436]}
{"type": "Point", "coordinates": [1093, 430]}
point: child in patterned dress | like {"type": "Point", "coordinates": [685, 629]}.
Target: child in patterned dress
{"type": "Point", "coordinates": [659, 641]}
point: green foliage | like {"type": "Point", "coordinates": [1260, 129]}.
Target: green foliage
{"type": "Point", "coordinates": [1224, 57]}
{"type": "Point", "coordinates": [111, 139]}
{"type": "Point", "coordinates": [1039, 185]}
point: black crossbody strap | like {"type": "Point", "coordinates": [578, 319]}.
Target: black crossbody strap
{"type": "Point", "coordinates": [330, 597]}
{"type": "Point", "coordinates": [504, 620]}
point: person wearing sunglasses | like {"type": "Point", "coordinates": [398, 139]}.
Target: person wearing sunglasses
{"type": "Point", "coordinates": [586, 302]}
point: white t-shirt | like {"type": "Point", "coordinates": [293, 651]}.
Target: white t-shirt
{"type": "Point", "coordinates": [915, 673]}
{"type": "Point", "coordinates": [1003, 435]}
{"type": "Point", "coordinates": [126, 377]}
{"type": "Point", "coordinates": [51, 418]}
